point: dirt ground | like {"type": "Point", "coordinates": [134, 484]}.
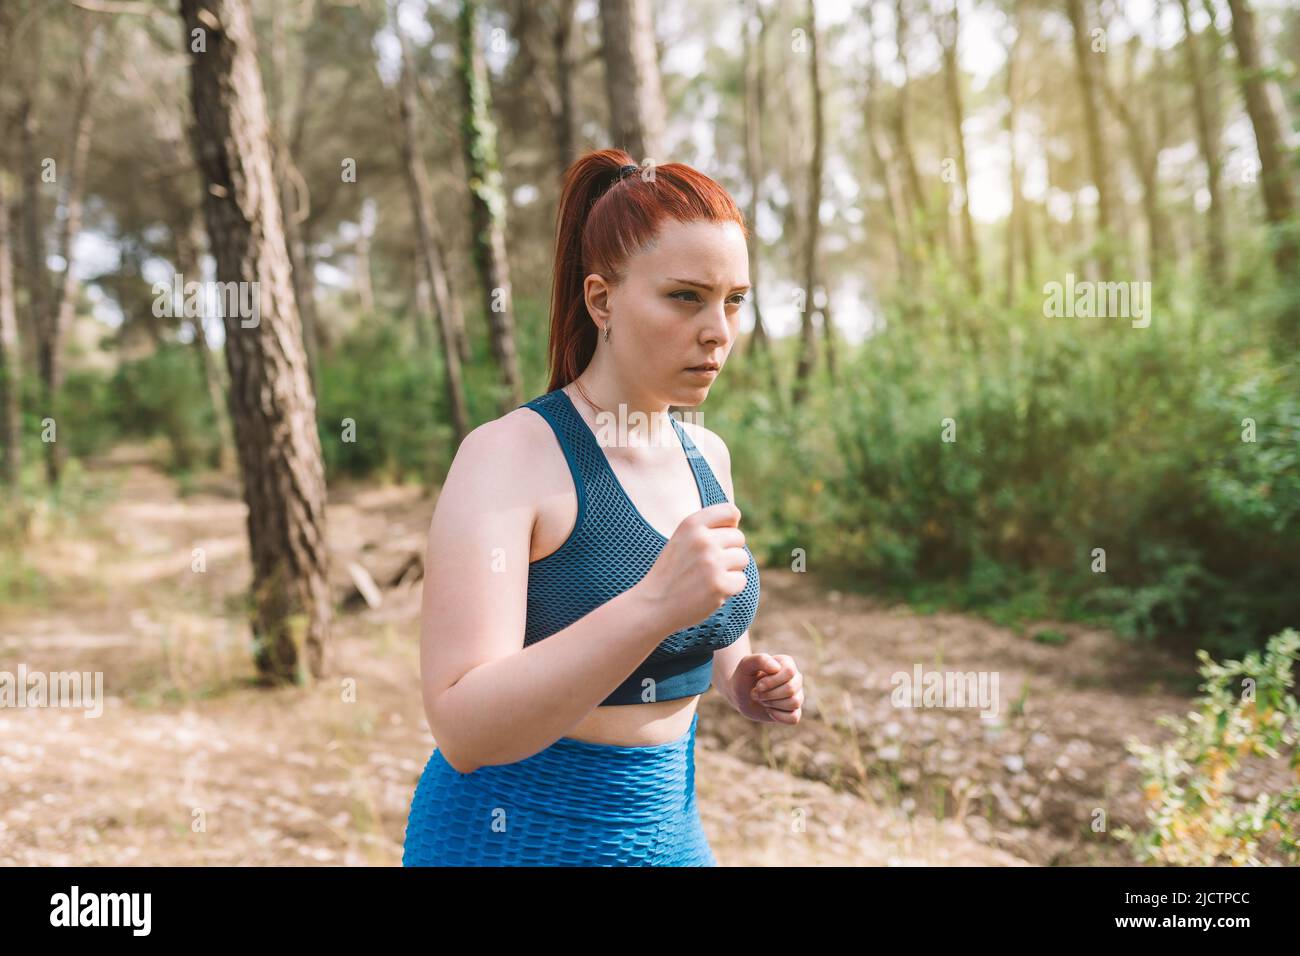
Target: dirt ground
{"type": "Point", "coordinates": [190, 764]}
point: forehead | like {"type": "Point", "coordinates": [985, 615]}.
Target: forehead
{"type": "Point", "coordinates": [714, 252]}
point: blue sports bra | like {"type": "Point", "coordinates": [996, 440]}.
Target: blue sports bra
{"type": "Point", "coordinates": [611, 548]}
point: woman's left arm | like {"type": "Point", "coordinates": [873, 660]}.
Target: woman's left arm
{"type": "Point", "coordinates": [762, 687]}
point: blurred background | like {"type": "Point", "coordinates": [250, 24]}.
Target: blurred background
{"type": "Point", "coordinates": [1015, 394]}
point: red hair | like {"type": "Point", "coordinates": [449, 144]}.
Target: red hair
{"type": "Point", "coordinates": [602, 221]}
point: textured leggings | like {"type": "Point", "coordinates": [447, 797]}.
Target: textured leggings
{"type": "Point", "coordinates": [576, 803]}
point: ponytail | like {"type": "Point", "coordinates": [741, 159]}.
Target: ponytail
{"type": "Point", "coordinates": [605, 217]}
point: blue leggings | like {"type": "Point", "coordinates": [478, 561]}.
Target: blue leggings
{"type": "Point", "coordinates": [576, 803]}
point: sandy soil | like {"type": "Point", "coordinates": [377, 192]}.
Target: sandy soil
{"type": "Point", "coordinates": [190, 764]}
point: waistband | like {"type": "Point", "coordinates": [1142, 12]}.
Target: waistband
{"type": "Point", "coordinates": [607, 782]}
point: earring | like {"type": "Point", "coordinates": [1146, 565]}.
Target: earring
{"type": "Point", "coordinates": [606, 331]}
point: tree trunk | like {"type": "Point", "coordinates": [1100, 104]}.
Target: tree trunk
{"type": "Point", "coordinates": [950, 34]}
{"type": "Point", "coordinates": [921, 222]}
{"type": "Point", "coordinates": [186, 242]}
{"type": "Point", "coordinates": [1207, 138]}
{"type": "Point", "coordinates": [487, 207]}
{"type": "Point", "coordinates": [1145, 159]}
{"type": "Point", "coordinates": [426, 228]}
{"type": "Point", "coordinates": [423, 303]}
{"type": "Point", "coordinates": [881, 163]}
{"type": "Point", "coordinates": [1092, 125]}
{"type": "Point", "coordinates": [812, 220]}
{"type": "Point", "coordinates": [57, 320]}
{"type": "Point", "coordinates": [1263, 103]}
{"type": "Point", "coordinates": [564, 122]}
{"type": "Point", "coordinates": [632, 85]}
{"type": "Point", "coordinates": [1017, 203]}
{"type": "Point", "coordinates": [288, 124]}
{"type": "Point", "coordinates": [365, 230]}
{"type": "Point", "coordinates": [11, 451]}
{"type": "Point", "coordinates": [271, 401]}
{"type": "Point", "coordinates": [755, 69]}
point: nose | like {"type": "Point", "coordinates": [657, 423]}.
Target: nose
{"type": "Point", "coordinates": [717, 325]}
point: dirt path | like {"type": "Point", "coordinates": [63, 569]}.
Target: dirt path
{"type": "Point", "coordinates": [188, 764]}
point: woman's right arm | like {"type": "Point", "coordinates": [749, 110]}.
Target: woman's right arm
{"type": "Point", "coordinates": [488, 699]}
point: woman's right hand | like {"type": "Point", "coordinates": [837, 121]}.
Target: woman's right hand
{"type": "Point", "coordinates": [701, 566]}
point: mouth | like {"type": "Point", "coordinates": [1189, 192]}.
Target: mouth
{"type": "Point", "coordinates": [708, 368]}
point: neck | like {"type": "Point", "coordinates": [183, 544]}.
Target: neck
{"type": "Point", "coordinates": [601, 388]}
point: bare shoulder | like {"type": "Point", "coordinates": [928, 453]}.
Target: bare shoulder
{"type": "Point", "coordinates": [715, 452]}
{"type": "Point", "coordinates": [496, 455]}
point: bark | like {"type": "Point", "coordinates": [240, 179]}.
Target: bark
{"type": "Point", "coordinates": [812, 221]}
{"type": "Point", "coordinates": [1263, 103]}
{"type": "Point", "coordinates": [288, 126]}
{"type": "Point", "coordinates": [1145, 160]}
{"type": "Point", "coordinates": [1086, 70]}
{"type": "Point", "coordinates": [426, 229]}
{"type": "Point", "coordinates": [950, 34]}
{"type": "Point", "coordinates": [547, 30]}
{"type": "Point", "coordinates": [564, 123]}
{"type": "Point", "coordinates": [365, 229]}
{"type": "Point", "coordinates": [487, 207]}
{"type": "Point", "coordinates": [919, 213]}
{"type": "Point", "coordinates": [271, 402]}
{"type": "Point", "coordinates": [11, 451]}
{"type": "Point", "coordinates": [186, 232]}
{"type": "Point", "coordinates": [755, 76]}
{"type": "Point", "coordinates": [57, 320]}
{"type": "Point", "coordinates": [1017, 203]}
{"type": "Point", "coordinates": [882, 159]}
{"type": "Point", "coordinates": [632, 85]}
{"type": "Point", "coordinates": [1207, 138]}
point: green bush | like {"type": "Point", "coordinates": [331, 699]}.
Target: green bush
{"type": "Point", "coordinates": [1195, 814]}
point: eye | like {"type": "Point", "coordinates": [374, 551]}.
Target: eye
{"type": "Point", "coordinates": [738, 298]}
{"type": "Point", "coordinates": [684, 292]}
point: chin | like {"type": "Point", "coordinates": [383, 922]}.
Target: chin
{"type": "Point", "coordinates": [691, 394]}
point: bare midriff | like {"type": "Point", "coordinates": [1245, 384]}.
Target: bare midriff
{"type": "Point", "coordinates": [637, 725]}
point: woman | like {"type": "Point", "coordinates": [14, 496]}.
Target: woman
{"type": "Point", "coordinates": [620, 563]}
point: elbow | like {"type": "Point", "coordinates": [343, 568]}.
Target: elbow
{"type": "Point", "coordinates": [447, 746]}
{"type": "Point", "coordinates": [456, 761]}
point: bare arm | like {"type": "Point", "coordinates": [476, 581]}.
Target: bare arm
{"type": "Point", "coordinates": [719, 457]}
{"type": "Point", "coordinates": [488, 699]}
{"type": "Point", "coordinates": [724, 665]}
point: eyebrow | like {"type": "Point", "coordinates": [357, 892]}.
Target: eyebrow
{"type": "Point", "coordinates": [705, 285]}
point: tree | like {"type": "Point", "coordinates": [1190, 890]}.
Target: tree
{"type": "Point", "coordinates": [1207, 138]}
{"type": "Point", "coordinates": [949, 36]}
{"type": "Point", "coordinates": [271, 402]}
{"type": "Point", "coordinates": [636, 101]}
{"type": "Point", "coordinates": [1092, 125]}
{"type": "Point", "coordinates": [487, 206]}
{"type": "Point", "coordinates": [427, 232]}
{"type": "Point", "coordinates": [10, 361]}
{"type": "Point", "coordinates": [1262, 103]}
{"type": "Point", "coordinates": [812, 221]}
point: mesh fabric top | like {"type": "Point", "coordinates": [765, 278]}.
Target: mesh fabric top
{"type": "Point", "coordinates": [611, 548]}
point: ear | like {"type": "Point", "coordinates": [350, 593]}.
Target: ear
{"type": "Point", "coordinates": [596, 293]}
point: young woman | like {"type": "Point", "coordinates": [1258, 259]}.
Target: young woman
{"type": "Point", "coordinates": [582, 592]}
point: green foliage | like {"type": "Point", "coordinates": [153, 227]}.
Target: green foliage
{"type": "Point", "coordinates": [1195, 814]}
{"type": "Point", "coordinates": [160, 394]}
{"type": "Point", "coordinates": [394, 396]}
{"type": "Point", "coordinates": [1069, 436]}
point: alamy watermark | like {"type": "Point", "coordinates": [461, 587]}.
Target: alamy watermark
{"type": "Point", "coordinates": [242, 300]}
{"type": "Point", "coordinates": [55, 689]}
{"type": "Point", "coordinates": [615, 429]}
{"type": "Point", "coordinates": [1086, 299]}
{"type": "Point", "coordinates": [945, 689]}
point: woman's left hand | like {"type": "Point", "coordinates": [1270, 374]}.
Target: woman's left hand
{"type": "Point", "coordinates": [768, 687]}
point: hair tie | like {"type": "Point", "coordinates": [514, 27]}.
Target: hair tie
{"type": "Point", "coordinates": [628, 170]}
